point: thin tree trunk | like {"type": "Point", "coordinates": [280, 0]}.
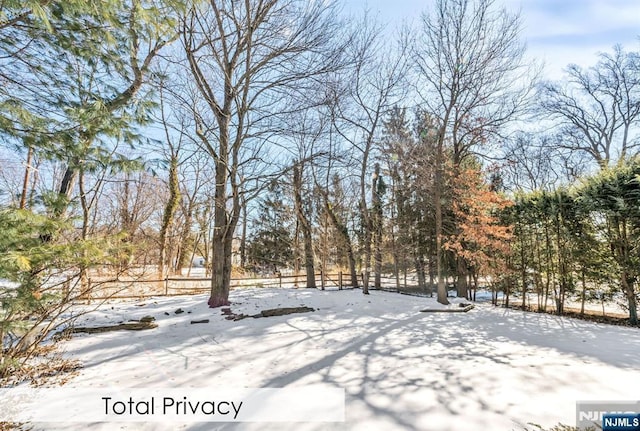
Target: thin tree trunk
{"type": "Point", "coordinates": [420, 273]}
{"type": "Point", "coordinates": [243, 238]}
{"type": "Point", "coordinates": [377, 225]}
{"type": "Point", "coordinates": [442, 291]}
{"type": "Point", "coordinates": [523, 268]}
{"type": "Point", "coordinates": [296, 249]}
{"type": "Point", "coordinates": [27, 175]}
{"type": "Point", "coordinates": [561, 269]}
{"type": "Point", "coordinates": [627, 286]}
{"type": "Point", "coordinates": [549, 271]}
{"type": "Point", "coordinates": [394, 253]}
{"type": "Point", "coordinates": [366, 221]}
{"type": "Point", "coordinates": [626, 279]}
{"type": "Point", "coordinates": [583, 295]}
{"type": "Point", "coordinates": [184, 257]}
{"type": "Point", "coordinates": [84, 278]}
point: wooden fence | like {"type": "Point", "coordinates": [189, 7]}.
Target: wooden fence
{"type": "Point", "coordinates": [122, 288]}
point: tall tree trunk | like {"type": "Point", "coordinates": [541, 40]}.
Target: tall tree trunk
{"type": "Point", "coordinates": [169, 213]}
{"type": "Point", "coordinates": [367, 247]}
{"type": "Point", "coordinates": [442, 291]}
{"type": "Point", "coordinates": [221, 271]}
{"type": "Point", "coordinates": [222, 234]}
{"type": "Point", "coordinates": [243, 238]}
{"type": "Point", "coordinates": [376, 192]}
{"type": "Point", "coordinates": [342, 230]}
{"type": "Point", "coordinates": [583, 294]}
{"type": "Point", "coordinates": [305, 227]}
{"type": "Point", "coordinates": [627, 280]}
{"type": "Point", "coordinates": [562, 269]}
{"type": "Point", "coordinates": [549, 270]}
{"type": "Point", "coordinates": [462, 285]}
{"type": "Point", "coordinates": [125, 223]}
{"type": "Point", "coordinates": [432, 276]}
{"type": "Point", "coordinates": [83, 270]}
{"type": "Point", "coordinates": [296, 249]}
{"type": "Point", "coordinates": [184, 255]}
{"type": "Point", "coordinates": [523, 267]}
{"type": "Point", "coordinates": [394, 254]}
{"type": "Point", "coordinates": [366, 218]}
{"type": "Point", "coordinates": [420, 273]}
{"type": "Point", "coordinates": [629, 291]}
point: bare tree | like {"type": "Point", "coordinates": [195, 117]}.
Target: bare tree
{"type": "Point", "coordinates": [598, 109]}
{"type": "Point", "coordinates": [472, 80]}
{"type": "Point", "coordinates": [372, 89]}
{"type": "Point", "coordinates": [330, 169]}
{"type": "Point", "coordinates": [247, 60]}
{"type": "Point", "coordinates": [535, 161]}
{"type": "Point", "coordinates": [171, 206]}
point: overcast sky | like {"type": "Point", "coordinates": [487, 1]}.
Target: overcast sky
{"type": "Point", "coordinates": [556, 31]}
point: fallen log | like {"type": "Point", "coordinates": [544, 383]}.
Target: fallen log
{"type": "Point", "coordinates": [136, 326]}
{"type": "Point", "coordinates": [283, 311]}
{"type": "Point", "coordinates": [193, 322]}
{"type": "Point", "coordinates": [448, 310]}
{"type": "Point", "coordinates": [266, 313]}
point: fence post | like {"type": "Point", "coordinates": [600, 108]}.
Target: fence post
{"type": "Point", "coordinates": [279, 279]}
{"type": "Point", "coordinates": [340, 280]}
{"type": "Point", "coordinates": [322, 279]}
{"type": "Point", "coordinates": [88, 290]}
{"type": "Point", "coordinates": [166, 285]}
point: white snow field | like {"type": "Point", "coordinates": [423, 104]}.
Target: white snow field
{"type": "Point", "coordinates": [488, 369]}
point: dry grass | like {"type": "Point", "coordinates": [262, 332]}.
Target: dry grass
{"type": "Point", "coordinates": [47, 368]}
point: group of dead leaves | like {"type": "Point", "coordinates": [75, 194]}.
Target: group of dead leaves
{"type": "Point", "coordinates": [47, 368]}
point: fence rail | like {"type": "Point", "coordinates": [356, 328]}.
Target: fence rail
{"type": "Point", "coordinates": [123, 288]}
{"type": "Point", "coordinates": [138, 288]}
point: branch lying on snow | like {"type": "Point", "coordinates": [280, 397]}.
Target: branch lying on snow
{"type": "Point", "coordinates": [463, 309]}
{"type": "Point", "coordinates": [146, 322]}
{"type": "Point", "coordinates": [266, 313]}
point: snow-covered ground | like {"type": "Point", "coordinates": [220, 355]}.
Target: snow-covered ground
{"type": "Point", "coordinates": [488, 369]}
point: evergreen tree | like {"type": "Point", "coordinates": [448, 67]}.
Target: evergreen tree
{"type": "Point", "coordinates": [38, 280]}
{"type": "Point", "coordinates": [75, 72]}
{"type": "Point", "coordinates": [271, 243]}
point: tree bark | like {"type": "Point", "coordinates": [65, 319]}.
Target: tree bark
{"type": "Point", "coordinates": [169, 213]}
{"type": "Point", "coordinates": [342, 230]}
{"type": "Point", "coordinates": [304, 227]}
{"type": "Point", "coordinates": [442, 290]}
{"type": "Point", "coordinates": [462, 286]}
{"type": "Point", "coordinates": [27, 175]}
{"type": "Point", "coordinates": [243, 238]}
{"type": "Point", "coordinates": [376, 203]}
{"type": "Point", "coordinates": [422, 280]}
{"type": "Point", "coordinates": [222, 229]}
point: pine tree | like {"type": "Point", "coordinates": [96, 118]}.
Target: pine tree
{"type": "Point", "coordinates": [271, 243]}
{"type": "Point", "coordinates": [38, 280]}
